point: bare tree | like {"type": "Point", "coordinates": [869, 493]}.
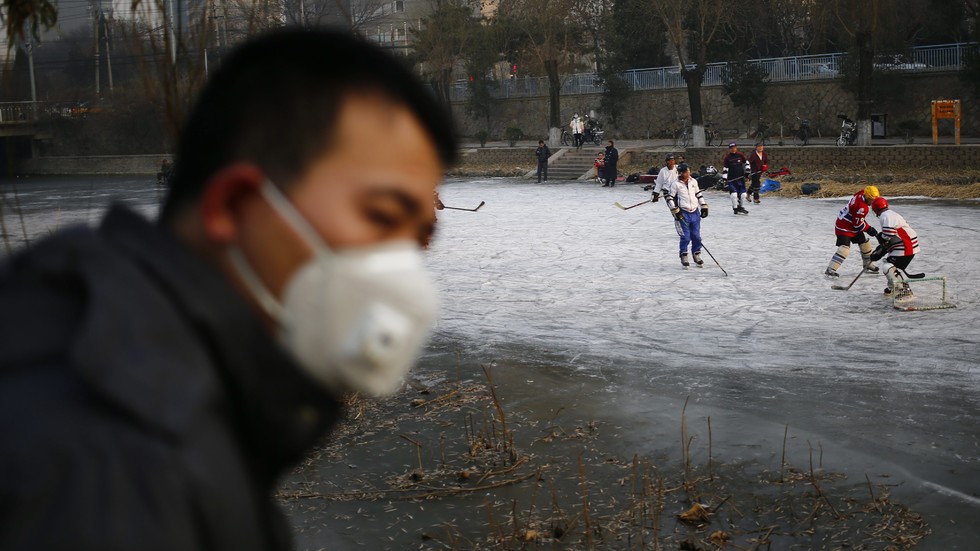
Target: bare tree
{"type": "Point", "coordinates": [548, 31]}
{"type": "Point", "coordinates": [867, 26]}
{"type": "Point", "coordinates": [441, 41]}
{"type": "Point", "coordinates": [692, 26]}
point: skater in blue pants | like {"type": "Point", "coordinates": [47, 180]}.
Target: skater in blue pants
{"type": "Point", "coordinates": [688, 206]}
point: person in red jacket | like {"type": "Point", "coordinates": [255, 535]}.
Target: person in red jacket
{"type": "Point", "coordinates": [758, 164]}
{"type": "Point", "coordinates": [851, 227]}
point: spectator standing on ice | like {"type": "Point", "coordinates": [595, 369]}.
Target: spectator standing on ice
{"type": "Point", "coordinates": [612, 158]}
{"type": "Point", "coordinates": [898, 244]}
{"type": "Point", "coordinates": [684, 199]}
{"type": "Point", "coordinates": [542, 153]}
{"type": "Point", "coordinates": [578, 127]}
{"type": "Point", "coordinates": [758, 164]}
{"type": "Point", "coordinates": [159, 379]}
{"type": "Point", "coordinates": [666, 176]}
{"type": "Point", "coordinates": [735, 162]}
{"type": "Point", "coordinates": [851, 227]}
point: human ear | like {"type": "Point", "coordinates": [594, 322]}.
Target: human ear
{"type": "Point", "coordinates": [224, 198]}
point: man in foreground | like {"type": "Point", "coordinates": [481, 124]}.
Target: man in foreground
{"type": "Point", "coordinates": [157, 380]}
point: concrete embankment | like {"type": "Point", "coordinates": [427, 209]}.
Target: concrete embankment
{"type": "Point", "coordinates": [96, 164]}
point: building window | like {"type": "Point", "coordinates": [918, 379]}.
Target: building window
{"type": "Point", "coordinates": [399, 5]}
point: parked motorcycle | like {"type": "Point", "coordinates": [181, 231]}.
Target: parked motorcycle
{"type": "Point", "coordinates": [593, 132]}
{"type": "Point", "coordinates": [848, 131]}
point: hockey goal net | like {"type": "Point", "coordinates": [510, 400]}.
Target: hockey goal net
{"type": "Point", "coordinates": [927, 293]}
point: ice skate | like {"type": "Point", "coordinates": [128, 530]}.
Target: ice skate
{"type": "Point", "coordinates": [830, 272]}
{"type": "Point", "coordinates": [741, 209]}
{"type": "Point", "coordinates": [871, 268]}
{"type": "Point", "coordinates": [684, 261]}
{"type": "Point", "coordinates": [698, 261]}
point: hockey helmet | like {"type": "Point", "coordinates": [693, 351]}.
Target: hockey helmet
{"type": "Point", "coordinates": [879, 205]}
{"type": "Point", "coordinates": [871, 193]}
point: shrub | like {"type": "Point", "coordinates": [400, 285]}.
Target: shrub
{"type": "Point", "coordinates": [482, 136]}
{"type": "Point", "coordinates": [512, 135]}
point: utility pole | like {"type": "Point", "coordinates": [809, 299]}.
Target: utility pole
{"type": "Point", "coordinates": [30, 65]}
{"type": "Point", "coordinates": [96, 14]}
{"type": "Point", "coordinates": [106, 32]}
{"type": "Point", "coordinates": [170, 29]}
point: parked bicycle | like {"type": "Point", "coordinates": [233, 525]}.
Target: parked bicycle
{"type": "Point", "coordinates": [710, 134]}
{"type": "Point", "coordinates": [683, 137]}
{"type": "Point", "coordinates": [802, 136]}
{"type": "Point", "coordinates": [566, 137]}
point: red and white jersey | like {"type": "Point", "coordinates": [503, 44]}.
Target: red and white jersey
{"type": "Point", "coordinates": [896, 231]}
{"type": "Point", "coordinates": [851, 219]}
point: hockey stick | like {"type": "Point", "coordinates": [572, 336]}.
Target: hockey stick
{"type": "Point", "coordinates": [713, 258]}
{"type": "Point", "coordinates": [842, 288]}
{"type": "Point", "coordinates": [632, 206]}
{"type": "Point", "coordinates": [913, 276]}
{"type": "Point", "coordinates": [470, 210]}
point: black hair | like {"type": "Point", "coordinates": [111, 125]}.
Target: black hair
{"type": "Point", "coordinates": [275, 102]}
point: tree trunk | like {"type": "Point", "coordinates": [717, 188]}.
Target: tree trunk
{"type": "Point", "coordinates": [693, 78]}
{"type": "Point", "coordinates": [554, 93]}
{"type": "Point", "coordinates": [866, 55]}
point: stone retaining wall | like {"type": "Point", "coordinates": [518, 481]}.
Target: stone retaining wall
{"type": "Point", "coordinates": [649, 114]}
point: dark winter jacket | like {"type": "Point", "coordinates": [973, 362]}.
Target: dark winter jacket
{"type": "Point", "coordinates": [735, 163]}
{"type": "Point", "coordinates": [612, 157]}
{"type": "Point", "coordinates": [142, 404]}
{"type": "Point", "coordinates": [542, 153]}
{"type": "Point", "coordinates": [756, 164]}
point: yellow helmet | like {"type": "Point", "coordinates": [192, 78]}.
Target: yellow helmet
{"type": "Point", "coordinates": [870, 194]}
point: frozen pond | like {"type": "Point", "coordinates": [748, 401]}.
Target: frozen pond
{"type": "Point", "coordinates": [559, 285]}
{"type": "Point", "coordinates": [559, 270]}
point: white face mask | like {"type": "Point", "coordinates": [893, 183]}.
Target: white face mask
{"type": "Point", "coordinates": [354, 319]}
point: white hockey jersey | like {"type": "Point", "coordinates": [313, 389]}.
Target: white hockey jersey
{"type": "Point", "coordinates": [687, 196]}
{"type": "Point", "coordinates": [666, 177]}
{"type": "Point", "coordinates": [902, 239]}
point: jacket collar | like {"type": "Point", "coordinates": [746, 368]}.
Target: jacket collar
{"type": "Point", "coordinates": [277, 410]}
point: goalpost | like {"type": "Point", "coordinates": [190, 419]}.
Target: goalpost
{"type": "Point", "coordinates": [927, 293]}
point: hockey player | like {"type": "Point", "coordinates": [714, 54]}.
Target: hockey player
{"type": "Point", "coordinates": [851, 227]}
{"type": "Point", "coordinates": [666, 176]}
{"type": "Point", "coordinates": [758, 164]}
{"type": "Point", "coordinates": [684, 198]}
{"type": "Point", "coordinates": [898, 244]}
{"type": "Point", "coordinates": [735, 163]}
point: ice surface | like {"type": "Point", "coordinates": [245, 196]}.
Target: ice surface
{"type": "Point", "coordinates": [560, 266]}
{"type": "Point", "coordinates": [557, 268]}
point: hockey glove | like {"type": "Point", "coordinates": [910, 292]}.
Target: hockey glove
{"type": "Point", "coordinates": [871, 231]}
{"type": "Point", "coordinates": [656, 197]}
{"type": "Point", "coordinates": [704, 211]}
{"type": "Point", "coordinates": [676, 212]}
{"type": "Point", "coordinates": [878, 253]}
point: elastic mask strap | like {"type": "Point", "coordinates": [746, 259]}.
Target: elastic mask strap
{"type": "Point", "coordinates": [255, 285]}
{"type": "Point", "coordinates": [285, 208]}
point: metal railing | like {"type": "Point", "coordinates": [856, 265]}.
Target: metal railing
{"type": "Point", "coordinates": [921, 59]}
